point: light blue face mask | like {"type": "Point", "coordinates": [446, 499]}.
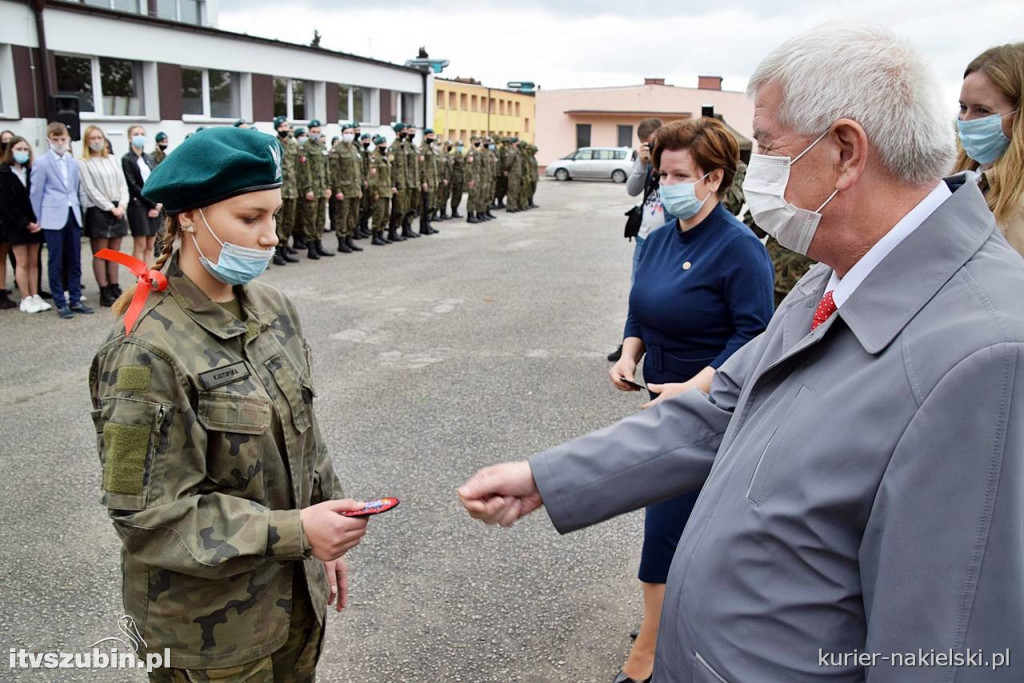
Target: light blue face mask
{"type": "Point", "coordinates": [983, 138]}
{"type": "Point", "coordinates": [139, 141]}
{"type": "Point", "coordinates": [680, 199]}
{"type": "Point", "coordinates": [236, 265]}
{"type": "Point", "coordinates": [21, 157]}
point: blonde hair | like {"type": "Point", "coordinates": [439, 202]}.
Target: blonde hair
{"type": "Point", "coordinates": [1004, 66]}
{"type": "Point", "coordinates": [172, 228]}
{"type": "Point", "coordinates": [87, 152]}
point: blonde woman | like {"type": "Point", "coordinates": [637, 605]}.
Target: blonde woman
{"type": "Point", "coordinates": [104, 196]}
{"type": "Point", "coordinates": [144, 216]}
{"type": "Point", "coordinates": [992, 134]}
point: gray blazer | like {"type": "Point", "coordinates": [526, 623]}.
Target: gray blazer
{"type": "Point", "coordinates": [863, 484]}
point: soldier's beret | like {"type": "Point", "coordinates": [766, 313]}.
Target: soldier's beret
{"type": "Point", "coordinates": [278, 120]}
{"type": "Point", "coordinates": [378, 139]}
{"type": "Point", "coordinates": [239, 123]}
{"type": "Point", "coordinates": [315, 123]}
{"type": "Point", "coordinates": [299, 131]}
{"type": "Point", "coordinates": [398, 127]}
{"type": "Point", "coordinates": [200, 129]}
{"type": "Point", "coordinates": [428, 131]}
{"type": "Point", "coordinates": [513, 140]}
{"type": "Point", "coordinates": [219, 164]}
{"type": "Point", "coordinates": [355, 124]}
{"type": "Point", "coordinates": [346, 125]}
{"type": "Point", "coordinates": [365, 136]}
{"type": "Point", "coordinates": [161, 136]}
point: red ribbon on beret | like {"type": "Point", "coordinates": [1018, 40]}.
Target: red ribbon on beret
{"type": "Point", "coordinates": [149, 281]}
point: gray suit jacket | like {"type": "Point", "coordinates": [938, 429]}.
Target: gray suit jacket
{"type": "Point", "coordinates": [863, 484]}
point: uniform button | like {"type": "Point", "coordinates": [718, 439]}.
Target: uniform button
{"type": "Point", "coordinates": [686, 265]}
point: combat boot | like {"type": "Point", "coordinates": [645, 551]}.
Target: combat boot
{"type": "Point", "coordinates": [300, 243]}
{"type": "Point", "coordinates": [288, 251]}
{"type": "Point", "coordinates": [407, 230]}
{"type": "Point", "coordinates": [500, 204]}
{"type": "Point", "coordinates": [311, 252]}
{"type": "Point", "coordinates": [352, 245]}
{"type": "Point", "coordinates": [343, 246]}
{"type": "Point", "coordinates": [444, 215]}
{"type": "Point", "coordinates": [278, 261]}
{"type": "Point", "coordinates": [472, 218]}
{"type": "Point", "coordinates": [319, 246]}
{"type": "Point", "coordinates": [456, 214]}
{"type": "Point", "coordinates": [489, 214]}
{"type": "Point", "coordinates": [377, 241]}
{"type": "Point", "coordinates": [286, 254]}
{"type": "Point", "coordinates": [393, 235]}
{"type": "Point", "coordinates": [531, 205]}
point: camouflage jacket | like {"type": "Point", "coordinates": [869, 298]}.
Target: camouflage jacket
{"type": "Point", "coordinates": [444, 165]}
{"type": "Point", "coordinates": [733, 200]}
{"type": "Point", "coordinates": [346, 163]}
{"type": "Point", "coordinates": [318, 169]}
{"type": "Point", "coordinates": [532, 165]}
{"type": "Point", "coordinates": [410, 164]}
{"type": "Point", "coordinates": [397, 159]}
{"type": "Point", "coordinates": [305, 178]}
{"type": "Point", "coordinates": [458, 166]}
{"type": "Point", "coordinates": [379, 175]}
{"type": "Point", "coordinates": [209, 447]}
{"type": "Point", "coordinates": [428, 165]}
{"type": "Point", "coordinates": [289, 161]}
{"type": "Point", "coordinates": [517, 164]}
{"type": "Point", "coordinates": [475, 165]}
{"type": "Point", "coordinates": [158, 155]}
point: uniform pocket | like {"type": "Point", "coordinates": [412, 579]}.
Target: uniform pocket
{"type": "Point", "coordinates": [128, 432]}
{"type": "Point", "coordinates": [777, 447]}
{"type": "Point", "coordinates": [236, 429]}
{"type": "Point", "coordinates": [293, 390]}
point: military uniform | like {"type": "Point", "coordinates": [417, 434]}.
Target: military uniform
{"type": "Point", "coordinates": [413, 185]}
{"type": "Point", "coordinates": [444, 175]}
{"type": "Point", "coordinates": [380, 189]}
{"type": "Point", "coordinates": [312, 178]}
{"type": "Point", "coordinates": [533, 176]}
{"type": "Point", "coordinates": [458, 177]}
{"type": "Point", "coordinates": [365, 205]}
{"type": "Point", "coordinates": [506, 157]}
{"type": "Point", "coordinates": [517, 179]}
{"type": "Point", "coordinates": [734, 200]}
{"type": "Point", "coordinates": [346, 173]}
{"type": "Point", "coordinates": [427, 160]}
{"type": "Point", "coordinates": [475, 171]}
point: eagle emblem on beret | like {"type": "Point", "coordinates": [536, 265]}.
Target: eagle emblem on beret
{"type": "Point", "coordinates": [275, 154]}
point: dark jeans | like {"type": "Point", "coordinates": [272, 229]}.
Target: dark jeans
{"type": "Point", "coordinates": [64, 247]}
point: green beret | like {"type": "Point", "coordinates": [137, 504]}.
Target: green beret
{"type": "Point", "coordinates": [428, 131]}
{"type": "Point", "coordinates": [161, 136]}
{"type": "Point", "coordinates": [347, 125]}
{"type": "Point", "coordinates": [356, 124]}
{"type": "Point", "coordinates": [379, 139]}
{"type": "Point", "coordinates": [200, 129]}
{"type": "Point", "coordinates": [513, 140]}
{"type": "Point", "coordinates": [299, 131]}
{"type": "Point", "coordinates": [239, 123]}
{"type": "Point", "coordinates": [398, 126]}
{"type": "Point", "coordinates": [209, 168]}
{"type": "Point", "coordinates": [365, 136]}
{"type": "Point", "coordinates": [278, 120]}
{"type": "Point", "coordinates": [315, 123]}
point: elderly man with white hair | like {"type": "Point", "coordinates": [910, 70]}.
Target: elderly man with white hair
{"type": "Point", "coordinates": [862, 461]}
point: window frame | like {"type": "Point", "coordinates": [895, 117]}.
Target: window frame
{"type": "Point", "coordinates": [140, 82]}
{"type": "Point", "coordinates": [207, 115]}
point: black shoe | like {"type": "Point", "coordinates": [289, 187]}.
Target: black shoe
{"type": "Point", "coordinates": [377, 241]}
{"type": "Point", "coordinates": [278, 260]}
{"type": "Point", "coordinates": [6, 302]}
{"type": "Point", "coordinates": [343, 246]}
{"type": "Point", "coordinates": [614, 356]}
{"type": "Point", "coordinates": [107, 296]}
{"type": "Point", "coordinates": [300, 243]}
{"type": "Point", "coordinates": [393, 234]}
{"type": "Point", "coordinates": [431, 230]}
{"type": "Point", "coordinates": [456, 214]}
{"type": "Point", "coordinates": [286, 254]}
{"type": "Point", "coordinates": [489, 214]}
{"type": "Point", "coordinates": [352, 245]}
{"type": "Point", "coordinates": [311, 253]}
{"type": "Point", "coordinates": [45, 295]}
{"type": "Point", "coordinates": [623, 678]}
{"type": "Point", "coordinates": [290, 252]}
{"type": "Point", "coordinates": [81, 308]}
{"type": "Point", "coordinates": [64, 312]}
{"type": "Point", "coordinates": [319, 246]}
{"type": "Point", "coordinates": [500, 204]}
{"type": "Point", "coordinates": [116, 289]}
{"type": "Point", "coordinates": [472, 218]}
{"type": "Point", "coordinates": [408, 232]}
{"type": "Point", "coordinates": [531, 205]}
{"type": "Point", "coordinates": [365, 231]}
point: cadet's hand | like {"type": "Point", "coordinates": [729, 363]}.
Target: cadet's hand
{"type": "Point", "coordinates": [501, 494]}
{"type": "Point", "coordinates": [340, 196]}
{"type": "Point", "coordinates": [337, 579]}
{"type": "Point", "coordinates": [331, 534]}
{"type": "Point", "coordinates": [424, 187]}
{"type": "Point", "coordinates": [394, 190]}
{"type": "Point", "coordinates": [310, 197]}
{"type": "Point", "coordinates": [471, 183]}
{"type": "Point", "coordinates": [625, 367]}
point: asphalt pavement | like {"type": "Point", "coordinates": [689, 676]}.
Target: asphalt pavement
{"type": "Point", "coordinates": [432, 358]}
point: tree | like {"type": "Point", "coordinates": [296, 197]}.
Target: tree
{"type": "Point", "coordinates": [316, 38]}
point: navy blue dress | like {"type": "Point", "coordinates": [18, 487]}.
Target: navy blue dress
{"type": "Point", "coordinates": [697, 297]}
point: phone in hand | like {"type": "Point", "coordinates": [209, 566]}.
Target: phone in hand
{"type": "Point", "coordinates": [635, 385]}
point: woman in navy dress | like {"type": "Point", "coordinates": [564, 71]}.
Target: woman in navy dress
{"type": "Point", "coordinates": [703, 289]}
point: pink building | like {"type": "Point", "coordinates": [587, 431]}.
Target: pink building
{"type": "Point", "coordinates": [608, 117]}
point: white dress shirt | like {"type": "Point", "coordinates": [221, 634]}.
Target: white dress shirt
{"type": "Point", "coordinates": [842, 288]}
{"type": "Point", "coordinates": [143, 168]}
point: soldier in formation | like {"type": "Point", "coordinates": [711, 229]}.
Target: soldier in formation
{"type": "Point", "coordinates": [427, 160]}
{"type": "Point", "coordinates": [313, 188]}
{"type": "Point", "coordinates": [346, 173]}
{"type": "Point", "coordinates": [381, 191]}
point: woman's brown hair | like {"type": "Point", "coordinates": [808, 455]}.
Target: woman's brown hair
{"type": "Point", "coordinates": [1004, 66]}
{"type": "Point", "coordinates": [172, 228]}
{"type": "Point", "coordinates": [707, 140]}
{"type": "Point", "coordinates": [8, 157]}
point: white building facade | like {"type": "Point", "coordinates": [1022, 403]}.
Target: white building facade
{"type": "Point", "coordinates": [164, 65]}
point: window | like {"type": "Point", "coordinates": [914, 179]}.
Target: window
{"type": "Point", "coordinates": [126, 6]}
{"type": "Point", "coordinates": [167, 9]}
{"type": "Point", "coordinates": [490, 106]}
{"type": "Point", "coordinates": [192, 92]}
{"type": "Point", "coordinates": [622, 153]}
{"type": "Point", "coordinates": [604, 154]}
{"type": "Point", "coordinates": [501, 107]}
{"type": "Point", "coordinates": [74, 77]}
{"type": "Point", "coordinates": [517, 109]}
{"type": "Point", "coordinates": [462, 101]}
{"type": "Point", "coordinates": [408, 107]}
{"type": "Point", "coordinates": [210, 93]}
{"type": "Point", "coordinates": [359, 100]}
{"type": "Point", "coordinates": [280, 96]}
{"type": "Point", "coordinates": [451, 100]}
{"type": "Point", "coordinates": [625, 136]}
{"type": "Point", "coordinates": [582, 133]}
{"type": "Point", "coordinates": [292, 98]}
{"type": "Point", "coordinates": [343, 91]}
{"type": "Point", "coordinates": [104, 86]}
{"type": "Point", "coordinates": [298, 98]}
{"type": "Point", "coordinates": [440, 99]}
{"type": "Point", "coordinates": [473, 104]}
{"type": "Point", "coordinates": [583, 155]}
{"type": "Point", "coordinates": [526, 125]}
{"type": "Point", "coordinates": [190, 11]}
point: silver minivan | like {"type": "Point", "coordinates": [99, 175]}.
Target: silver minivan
{"type": "Point", "coordinates": [599, 163]}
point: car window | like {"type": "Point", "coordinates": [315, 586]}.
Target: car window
{"type": "Point", "coordinates": [621, 153]}
{"type": "Point", "coordinates": [583, 154]}
{"type": "Point", "coordinates": [604, 154]}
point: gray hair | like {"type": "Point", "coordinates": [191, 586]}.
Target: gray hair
{"type": "Point", "coordinates": [864, 73]}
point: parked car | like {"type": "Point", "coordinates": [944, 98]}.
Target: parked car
{"type": "Point", "coordinates": [602, 163]}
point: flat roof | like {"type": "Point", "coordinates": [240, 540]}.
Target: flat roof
{"type": "Point", "coordinates": [530, 93]}
{"type": "Point", "coordinates": [71, 6]}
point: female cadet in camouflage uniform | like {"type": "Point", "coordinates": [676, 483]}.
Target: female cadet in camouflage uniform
{"type": "Point", "coordinates": [214, 470]}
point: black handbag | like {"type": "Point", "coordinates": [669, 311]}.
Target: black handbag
{"type": "Point", "coordinates": [634, 218]}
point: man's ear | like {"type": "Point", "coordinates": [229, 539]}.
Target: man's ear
{"type": "Point", "coordinates": [852, 144]}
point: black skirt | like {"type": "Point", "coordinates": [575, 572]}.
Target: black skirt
{"type": "Point", "coordinates": [100, 224]}
{"type": "Point", "coordinates": [141, 224]}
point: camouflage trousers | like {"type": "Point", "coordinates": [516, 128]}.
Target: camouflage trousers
{"type": "Point", "coordinates": [516, 193]}
{"type": "Point", "coordinates": [286, 220]}
{"type": "Point", "coordinates": [293, 662]}
{"type": "Point", "coordinates": [365, 207]}
{"type": "Point", "coordinates": [456, 194]}
{"type": "Point", "coordinates": [311, 215]}
{"type": "Point", "coordinates": [380, 214]}
{"type": "Point", "coordinates": [398, 207]}
{"type": "Point", "coordinates": [412, 201]}
{"type": "Point", "coordinates": [476, 201]}
{"type": "Point", "coordinates": [502, 186]}
{"type": "Point", "coordinates": [443, 190]}
{"type": "Point", "coordinates": [347, 216]}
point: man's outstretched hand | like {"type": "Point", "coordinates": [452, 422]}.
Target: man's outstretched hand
{"type": "Point", "coordinates": [501, 494]}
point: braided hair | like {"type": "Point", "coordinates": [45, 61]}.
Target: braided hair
{"type": "Point", "coordinates": [172, 228]}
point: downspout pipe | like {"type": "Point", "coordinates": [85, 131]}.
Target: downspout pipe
{"type": "Point", "coordinates": [44, 54]}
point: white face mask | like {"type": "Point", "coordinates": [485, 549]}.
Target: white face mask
{"type": "Point", "coordinates": [60, 149]}
{"type": "Point", "coordinates": [97, 146]}
{"type": "Point", "coordinates": [348, 137]}
{"type": "Point", "coordinates": [764, 188]}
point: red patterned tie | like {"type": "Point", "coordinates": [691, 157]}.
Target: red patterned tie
{"type": "Point", "coordinates": [826, 307]}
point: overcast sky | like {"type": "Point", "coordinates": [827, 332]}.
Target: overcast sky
{"type": "Point", "coordinates": [594, 43]}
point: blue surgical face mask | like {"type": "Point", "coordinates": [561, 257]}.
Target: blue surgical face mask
{"type": "Point", "coordinates": [236, 265]}
{"type": "Point", "coordinates": [21, 157]}
{"type": "Point", "coordinates": [983, 139]}
{"type": "Point", "coordinates": [680, 199]}
{"type": "Point", "coordinates": [139, 141]}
